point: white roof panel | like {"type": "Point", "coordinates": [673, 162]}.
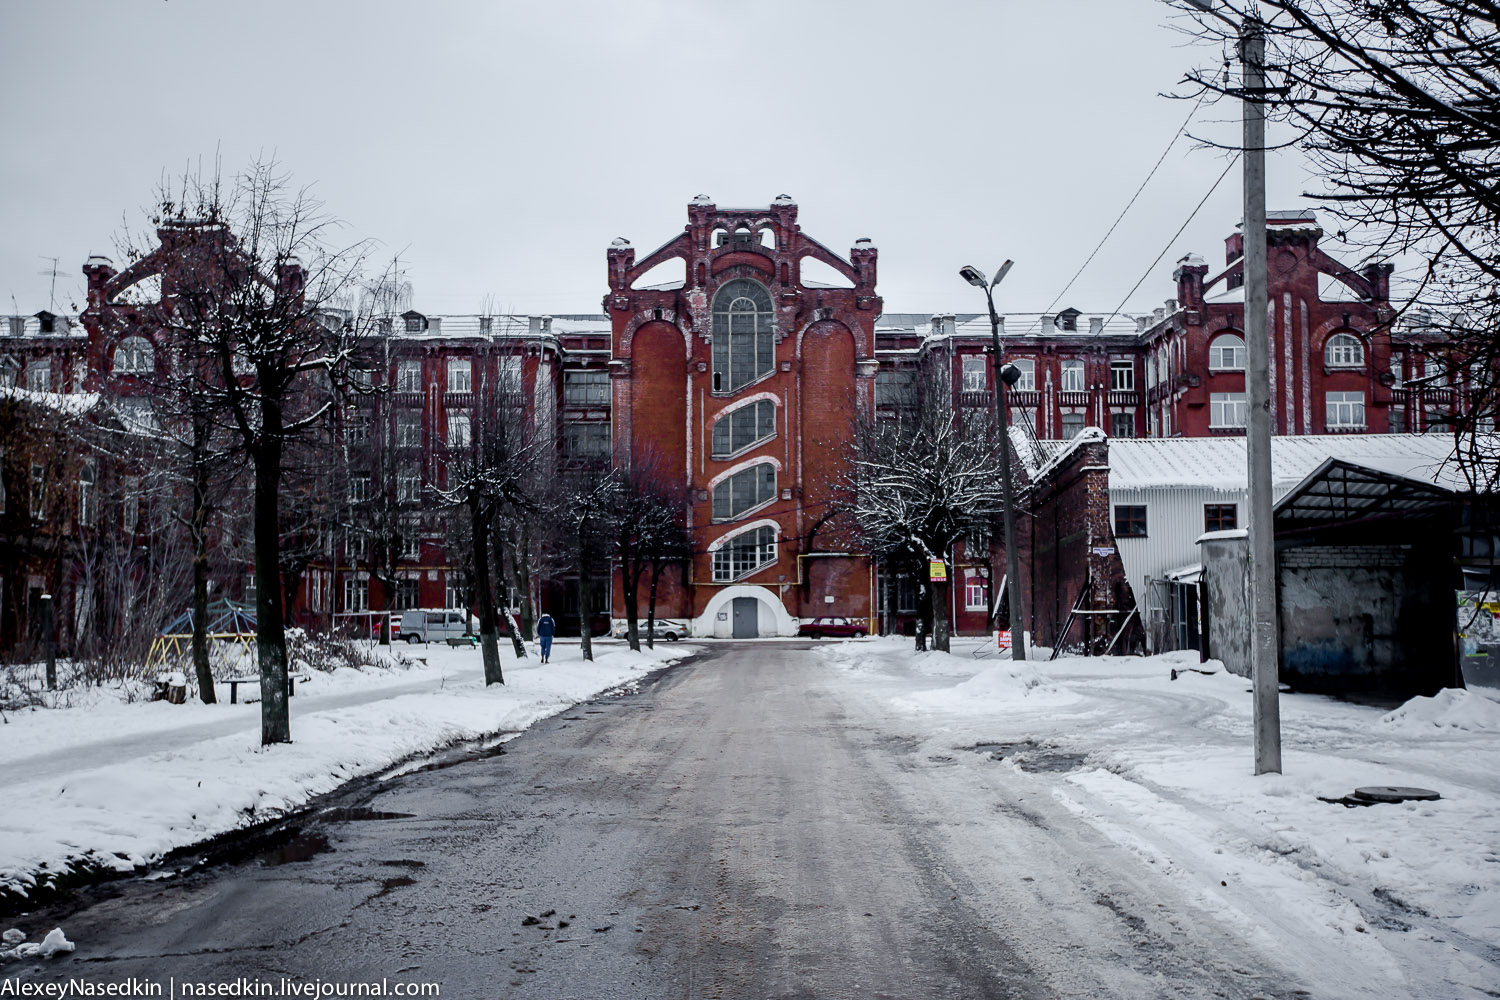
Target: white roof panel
{"type": "Point", "coordinates": [1219, 463]}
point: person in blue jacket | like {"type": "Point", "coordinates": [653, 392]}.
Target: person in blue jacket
{"type": "Point", "coordinates": [546, 628]}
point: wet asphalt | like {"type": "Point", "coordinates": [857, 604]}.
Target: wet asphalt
{"type": "Point", "coordinates": [724, 831]}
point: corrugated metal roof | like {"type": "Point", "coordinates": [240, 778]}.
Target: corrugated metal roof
{"type": "Point", "coordinates": [1219, 463]}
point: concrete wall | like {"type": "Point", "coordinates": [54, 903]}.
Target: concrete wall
{"type": "Point", "coordinates": [1226, 612]}
{"type": "Point", "coordinates": [1366, 617]}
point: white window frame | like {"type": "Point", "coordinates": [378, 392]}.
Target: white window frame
{"type": "Point", "coordinates": [408, 376]}
{"type": "Point", "coordinates": [39, 376]}
{"type": "Point", "coordinates": [1027, 367]}
{"type": "Point", "coordinates": [409, 483]}
{"type": "Point", "coordinates": [460, 375]}
{"type": "Point", "coordinates": [724, 568]}
{"type": "Point", "coordinates": [975, 375]}
{"type": "Point", "coordinates": [1227, 353]}
{"type": "Point", "coordinates": [1231, 405]}
{"type": "Point", "coordinates": [460, 432]}
{"type": "Point", "coordinates": [976, 593]}
{"type": "Point", "coordinates": [1344, 350]}
{"type": "Point", "coordinates": [1072, 376]}
{"type": "Point", "coordinates": [134, 355]}
{"type": "Point", "coordinates": [409, 430]}
{"type": "Point", "coordinates": [1122, 375]}
{"type": "Point", "coordinates": [1344, 410]}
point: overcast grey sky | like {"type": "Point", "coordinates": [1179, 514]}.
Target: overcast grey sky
{"type": "Point", "coordinates": [500, 146]}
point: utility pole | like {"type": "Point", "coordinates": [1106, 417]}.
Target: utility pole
{"type": "Point", "coordinates": [1264, 646]}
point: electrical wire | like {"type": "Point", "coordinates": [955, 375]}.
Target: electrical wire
{"type": "Point", "coordinates": [1128, 205]}
{"type": "Point", "coordinates": [1186, 222]}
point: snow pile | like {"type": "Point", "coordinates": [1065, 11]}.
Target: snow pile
{"type": "Point", "coordinates": [1450, 708]}
{"type": "Point", "coordinates": [168, 776]}
{"type": "Point", "coordinates": [16, 946]}
{"type": "Point", "coordinates": [991, 688]}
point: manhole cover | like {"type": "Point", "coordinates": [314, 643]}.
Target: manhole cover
{"type": "Point", "coordinates": [1395, 793]}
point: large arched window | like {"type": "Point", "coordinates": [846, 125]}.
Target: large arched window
{"type": "Point", "coordinates": [1344, 350]}
{"type": "Point", "coordinates": [744, 554]}
{"type": "Point", "coordinates": [1227, 353]}
{"type": "Point", "coordinates": [745, 491]}
{"type": "Point", "coordinates": [743, 428]}
{"type": "Point", "coordinates": [134, 355]}
{"type": "Point", "coordinates": [743, 337]}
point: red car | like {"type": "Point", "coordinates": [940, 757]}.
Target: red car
{"type": "Point", "coordinates": [854, 628]}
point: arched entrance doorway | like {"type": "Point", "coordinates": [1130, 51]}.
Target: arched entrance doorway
{"type": "Point", "coordinates": [744, 612]}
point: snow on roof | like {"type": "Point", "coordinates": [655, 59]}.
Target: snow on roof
{"type": "Point", "coordinates": [67, 403]}
{"type": "Point", "coordinates": [1219, 463]}
{"type": "Point", "coordinates": [1223, 294]}
{"type": "Point", "coordinates": [31, 326]}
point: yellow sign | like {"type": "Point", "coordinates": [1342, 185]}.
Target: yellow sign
{"type": "Point", "coordinates": [937, 571]}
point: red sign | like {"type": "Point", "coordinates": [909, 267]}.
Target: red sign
{"type": "Point", "coordinates": [1003, 638]}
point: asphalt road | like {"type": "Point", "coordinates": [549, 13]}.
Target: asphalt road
{"type": "Point", "coordinates": [734, 829]}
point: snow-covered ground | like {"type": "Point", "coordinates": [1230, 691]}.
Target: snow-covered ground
{"type": "Point", "coordinates": [1386, 900]}
{"type": "Point", "coordinates": [109, 782]}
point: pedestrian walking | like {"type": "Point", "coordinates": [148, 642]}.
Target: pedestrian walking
{"type": "Point", "coordinates": [546, 628]}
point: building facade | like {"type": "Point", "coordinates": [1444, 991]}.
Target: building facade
{"type": "Point", "coordinates": [742, 380]}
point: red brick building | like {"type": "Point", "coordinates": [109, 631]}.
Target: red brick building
{"type": "Point", "coordinates": [742, 380]}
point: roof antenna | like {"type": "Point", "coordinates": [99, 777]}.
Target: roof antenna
{"type": "Point", "coordinates": [52, 294]}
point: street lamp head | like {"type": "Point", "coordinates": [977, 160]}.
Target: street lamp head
{"type": "Point", "coordinates": [1010, 374]}
{"type": "Point", "coordinates": [973, 276]}
{"type": "Point", "coordinates": [1000, 274]}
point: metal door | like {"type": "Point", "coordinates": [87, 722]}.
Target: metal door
{"type": "Point", "coordinates": [746, 618]}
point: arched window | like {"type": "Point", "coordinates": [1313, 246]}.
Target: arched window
{"type": "Point", "coordinates": [744, 554]}
{"type": "Point", "coordinates": [1344, 350]}
{"type": "Point", "coordinates": [743, 428]}
{"type": "Point", "coordinates": [745, 491]}
{"type": "Point", "coordinates": [134, 355]}
{"type": "Point", "coordinates": [743, 338]}
{"type": "Point", "coordinates": [1227, 353]}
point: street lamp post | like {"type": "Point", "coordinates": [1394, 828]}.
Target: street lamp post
{"type": "Point", "coordinates": [1264, 646]}
{"type": "Point", "coordinates": [1005, 376]}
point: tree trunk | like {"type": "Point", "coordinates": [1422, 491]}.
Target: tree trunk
{"type": "Point", "coordinates": [488, 641]}
{"type": "Point", "coordinates": [585, 640]}
{"type": "Point", "coordinates": [523, 582]}
{"type": "Point", "coordinates": [651, 606]}
{"type": "Point", "coordinates": [517, 640]}
{"type": "Point", "coordinates": [940, 592]}
{"type": "Point", "coordinates": [630, 584]}
{"type": "Point", "coordinates": [200, 564]}
{"type": "Point", "coordinates": [924, 613]}
{"type": "Point", "coordinates": [270, 632]}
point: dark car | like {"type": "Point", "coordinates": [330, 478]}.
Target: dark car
{"type": "Point", "coordinates": [853, 628]}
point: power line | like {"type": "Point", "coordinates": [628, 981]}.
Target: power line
{"type": "Point", "coordinates": [1113, 226]}
{"type": "Point", "coordinates": [1191, 216]}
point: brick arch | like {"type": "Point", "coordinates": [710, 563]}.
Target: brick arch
{"type": "Point", "coordinates": [659, 398]}
{"type": "Point", "coordinates": [644, 317]}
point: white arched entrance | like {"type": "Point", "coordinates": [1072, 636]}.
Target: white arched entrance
{"type": "Point", "coordinates": [718, 619]}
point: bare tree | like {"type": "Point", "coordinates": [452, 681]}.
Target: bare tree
{"type": "Point", "coordinates": [585, 507]}
{"type": "Point", "coordinates": [649, 533]}
{"type": "Point", "coordinates": [254, 271]}
{"type": "Point", "coordinates": [1398, 103]}
{"type": "Point", "coordinates": [922, 474]}
{"type": "Point", "coordinates": [490, 469]}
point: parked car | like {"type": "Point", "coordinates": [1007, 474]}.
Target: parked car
{"type": "Point", "coordinates": [854, 628]}
{"type": "Point", "coordinates": [435, 624]}
{"type": "Point", "coordinates": [664, 628]}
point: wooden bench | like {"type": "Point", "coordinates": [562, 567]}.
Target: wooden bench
{"type": "Point", "coordinates": [235, 682]}
{"type": "Point", "coordinates": [463, 640]}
